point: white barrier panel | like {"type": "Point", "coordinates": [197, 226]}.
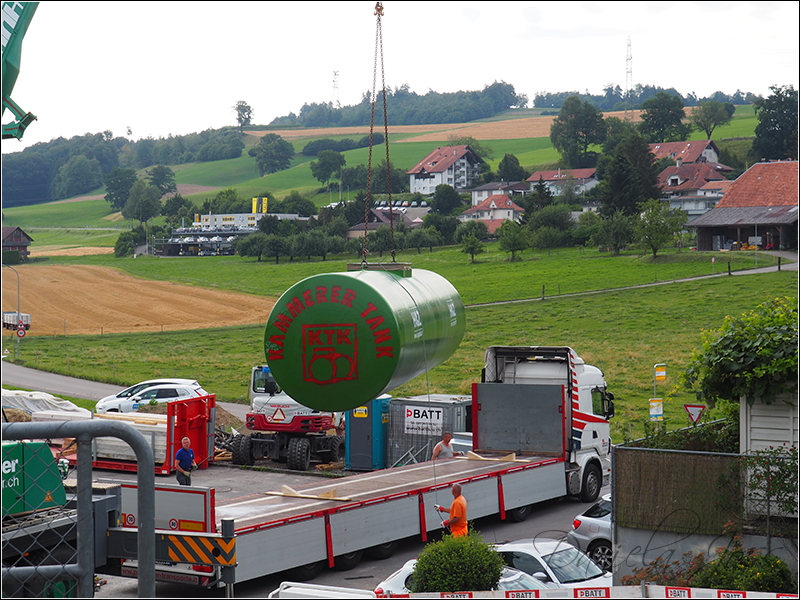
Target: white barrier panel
{"type": "Point", "coordinates": [646, 591]}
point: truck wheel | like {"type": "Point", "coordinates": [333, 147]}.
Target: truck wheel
{"type": "Point", "coordinates": [306, 572]}
{"type": "Point", "coordinates": [242, 450]}
{"type": "Point", "coordinates": [519, 514]}
{"type": "Point", "coordinates": [337, 453]}
{"type": "Point", "coordinates": [299, 454]}
{"type": "Point", "coordinates": [348, 561]}
{"type": "Point", "coordinates": [591, 483]}
{"type": "Point", "coordinates": [382, 551]}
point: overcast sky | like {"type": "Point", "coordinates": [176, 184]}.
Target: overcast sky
{"type": "Point", "coordinates": [165, 68]}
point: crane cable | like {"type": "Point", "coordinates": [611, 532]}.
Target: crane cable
{"type": "Point", "coordinates": [378, 47]}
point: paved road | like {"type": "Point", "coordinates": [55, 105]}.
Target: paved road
{"type": "Point", "coordinates": [61, 385]}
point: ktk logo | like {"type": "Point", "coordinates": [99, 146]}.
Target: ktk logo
{"type": "Point", "coordinates": [330, 353]}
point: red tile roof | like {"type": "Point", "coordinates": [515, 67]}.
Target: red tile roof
{"type": "Point", "coordinates": [496, 202]}
{"type": "Point", "coordinates": [688, 152]}
{"type": "Point", "coordinates": [764, 184]}
{"type": "Point", "coordinates": [562, 175]}
{"type": "Point", "coordinates": [441, 159]}
{"type": "Point", "coordinates": [692, 176]}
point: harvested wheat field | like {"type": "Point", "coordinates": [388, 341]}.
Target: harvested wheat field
{"type": "Point", "coordinates": [93, 300]}
{"type": "Point", "coordinates": [509, 129]}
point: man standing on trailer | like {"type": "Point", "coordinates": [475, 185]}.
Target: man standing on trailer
{"type": "Point", "coordinates": [458, 513]}
{"type": "Point", "coordinates": [184, 462]}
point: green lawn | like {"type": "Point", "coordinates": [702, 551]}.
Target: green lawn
{"type": "Point", "coordinates": [623, 332]}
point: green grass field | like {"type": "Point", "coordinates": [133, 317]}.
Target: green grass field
{"type": "Point", "coordinates": [622, 331]}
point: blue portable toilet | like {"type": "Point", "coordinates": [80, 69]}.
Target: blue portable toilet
{"type": "Point", "coordinates": [365, 434]}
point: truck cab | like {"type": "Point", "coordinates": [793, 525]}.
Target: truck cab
{"type": "Point", "coordinates": [587, 407]}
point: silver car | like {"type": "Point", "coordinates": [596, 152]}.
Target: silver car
{"type": "Point", "coordinates": [591, 532]}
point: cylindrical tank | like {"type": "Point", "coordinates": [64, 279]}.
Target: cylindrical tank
{"type": "Point", "coordinates": [338, 340]}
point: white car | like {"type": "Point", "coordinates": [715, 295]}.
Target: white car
{"type": "Point", "coordinates": [510, 579]}
{"type": "Point", "coordinates": [161, 392]}
{"type": "Point", "coordinates": [555, 563]}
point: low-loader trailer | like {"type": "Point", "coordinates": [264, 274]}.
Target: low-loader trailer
{"type": "Point", "coordinates": [540, 431]}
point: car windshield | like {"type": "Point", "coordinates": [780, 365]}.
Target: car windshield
{"type": "Point", "coordinates": [572, 566]}
{"type": "Point", "coordinates": [517, 580]}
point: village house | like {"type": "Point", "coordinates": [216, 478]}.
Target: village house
{"type": "Point", "coordinates": [508, 188]}
{"type": "Point", "coordinates": [456, 166]}
{"type": "Point", "coordinates": [687, 152]}
{"type": "Point", "coordinates": [687, 187]}
{"type": "Point", "coordinates": [494, 211]}
{"type": "Point", "coordinates": [582, 179]}
{"type": "Point", "coordinates": [378, 218]}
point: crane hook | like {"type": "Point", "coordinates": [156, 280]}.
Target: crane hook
{"type": "Point", "coordinates": [379, 9]}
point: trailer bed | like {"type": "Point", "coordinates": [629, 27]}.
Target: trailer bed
{"type": "Point", "coordinates": [377, 508]}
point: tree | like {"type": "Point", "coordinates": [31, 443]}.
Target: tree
{"type": "Point", "coordinates": [710, 115]}
{"type": "Point", "coordinates": [509, 169]}
{"type": "Point", "coordinates": [455, 564]}
{"type": "Point", "coordinates": [177, 208]}
{"type": "Point", "coordinates": [471, 227]}
{"type": "Point", "coordinates": [776, 132]}
{"type": "Point", "coordinates": [557, 216]}
{"type": "Point", "coordinates": [540, 197]}
{"type": "Point", "coordinates": [272, 154]}
{"type": "Point", "coordinates": [244, 114]}
{"type": "Point", "coordinates": [657, 225]}
{"type": "Point", "coordinates": [328, 163]}
{"type": "Point", "coordinates": [513, 238]}
{"type": "Point", "coordinates": [614, 232]}
{"type": "Point", "coordinates": [662, 119]}
{"type": "Point", "coordinates": [472, 246]}
{"type": "Point", "coordinates": [752, 356]}
{"type": "Point", "coordinates": [578, 126]}
{"type": "Point", "coordinates": [144, 202]}
{"type": "Point", "coordinates": [631, 178]}
{"type": "Point", "coordinates": [79, 175]}
{"type": "Point", "coordinates": [252, 245]}
{"type": "Point", "coordinates": [164, 179]}
{"type": "Point", "coordinates": [118, 186]}
{"type": "Point", "coordinates": [445, 199]}
{"type": "Point", "coordinates": [446, 226]}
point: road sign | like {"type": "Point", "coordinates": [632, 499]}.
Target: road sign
{"type": "Point", "coordinates": [21, 332]}
{"type": "Point", "coordinates": [695, 411]}
{"type": "Point", "coordinates": [656, 409]}
{"type": "Point", "coordinates": [660, 372]}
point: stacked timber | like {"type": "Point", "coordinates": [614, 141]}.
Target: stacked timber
{"type": "Point", "coordinates": [153, 427]}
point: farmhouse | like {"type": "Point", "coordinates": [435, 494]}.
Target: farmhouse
{"type": "Point", "coordinates": [494, 211]}
{"type": "Point", "coordinates": [378, 218]}
{"type": "Point", "coordinates": [456, 166]}
{"type": "Point", "coordinates": [16, 240]}
{"type": "Point", "coordinates": [582, 179]}
{"type": "Point", "coordinates": [759, 208]}
{"type": "Point", "coordinates": [687, 152]}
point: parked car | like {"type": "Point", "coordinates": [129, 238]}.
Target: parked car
{"type": "Point", "coordinates": [143, 385]}
{"type": "Point", "coordinates": [510, 579]}
{"type": "Point", "coordinates": [556, 563]}
{"type": "Point", "coordinates": [591, 533]}
{"type": "Point", "coordinates": [160, 393]}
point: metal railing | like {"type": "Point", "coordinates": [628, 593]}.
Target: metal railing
{"type": "Point", "coordinates": [84, 433]}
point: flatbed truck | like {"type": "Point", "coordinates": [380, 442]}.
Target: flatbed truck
{"type": "Point", "coordinates": [536, 437]}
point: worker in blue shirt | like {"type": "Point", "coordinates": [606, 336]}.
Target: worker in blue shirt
{"type": "Point", "coordinates": [184, 462]}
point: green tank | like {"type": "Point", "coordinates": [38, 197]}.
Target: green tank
{"type": "Point", "coordinates": [338, 340]}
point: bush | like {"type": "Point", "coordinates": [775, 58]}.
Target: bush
{"type": "Point", "coordinates": [733, 569]}
{"type": "Point", "coordinates": [455, 564]}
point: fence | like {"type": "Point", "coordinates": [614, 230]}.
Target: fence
{"type": "Point", "coordinates": [55, 538]}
